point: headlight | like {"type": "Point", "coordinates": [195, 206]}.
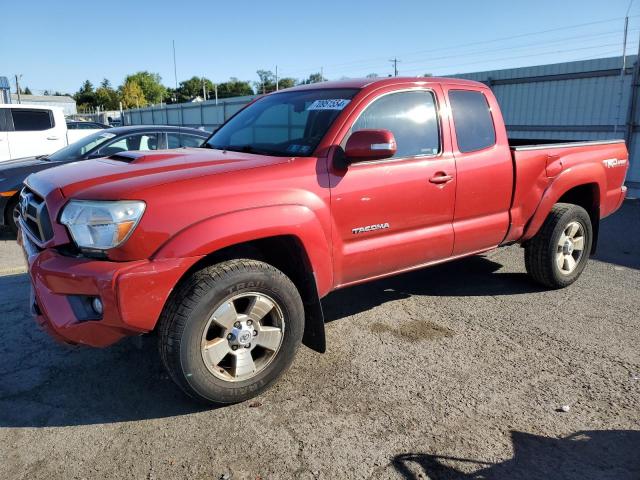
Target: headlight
{"type": "Point", "coordinates": [101, 225]}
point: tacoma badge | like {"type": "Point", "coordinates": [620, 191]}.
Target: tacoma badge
{"type": "Point", "coordinates": [369, 228]}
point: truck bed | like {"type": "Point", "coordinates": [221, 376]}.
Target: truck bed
{"type": "Point", "coordinates": [543, 166]}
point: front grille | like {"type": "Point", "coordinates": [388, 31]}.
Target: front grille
{"type": "Point", "coordinates": [34, 214]}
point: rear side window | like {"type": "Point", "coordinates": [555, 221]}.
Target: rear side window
{"type": "Point", "coordinates": [410, 116]}
{"type": "Point", "coordinates": [472, 120]}
{"type": "Point", "coordinates": [29, 120]}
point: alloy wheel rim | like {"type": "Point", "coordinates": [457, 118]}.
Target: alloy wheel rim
{"type": "Point", "coordinates": [242, 336]}
{"type": "Point", "coordinates": [570, 248]}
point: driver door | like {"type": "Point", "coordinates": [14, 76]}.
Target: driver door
{"type": "Point", "coordinates": [394, 214]}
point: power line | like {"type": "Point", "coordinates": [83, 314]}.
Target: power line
{"type": "Point", "coordinates": [527, 55]}
{"type": "Point", "coordinates": [453, 47]}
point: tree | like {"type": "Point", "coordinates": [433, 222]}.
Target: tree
{"type": "Point", "coordinates": [373, 75]}
{"type": "Point", "coordinates": [27, 91]}
{"type": "Point", "coordinates": [132, 95]}
{"type": "Point", "coordinates": [189, 89]}
{"type": "Point", "coordinates": [314, 78]}
{"type": "Point", "coordinates": [234, 88]}
{"type": "Point", "coordinates": [106, 97]}
{"type": "Point", "coordinates": [267, 82]}
{"type": "Point", "coordinates": [85, 97]}
{"type": "Point", "coordinates": [286, 82]}
{"type": "Point", "coordinates": [153, 91]}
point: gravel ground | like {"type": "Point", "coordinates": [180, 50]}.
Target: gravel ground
{"type": "Point", "coordinates": [455, 372]}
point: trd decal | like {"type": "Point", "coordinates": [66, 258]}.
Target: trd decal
{"type": "Point", "coordinates": [369, 228]}
{"type": "Point", "coordinates": [614, 162]}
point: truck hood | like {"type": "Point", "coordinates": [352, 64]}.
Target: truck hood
{"type": "Point", "coordinates": [119, 175]}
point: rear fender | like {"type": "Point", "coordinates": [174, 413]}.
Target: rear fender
{"type": "Point", "coordinates": [577, 175]}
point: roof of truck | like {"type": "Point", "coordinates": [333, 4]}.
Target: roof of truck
{"type": "Point", "coordinates": [380, 82]}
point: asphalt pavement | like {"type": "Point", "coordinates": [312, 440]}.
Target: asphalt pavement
{"type": "Point", "coordinates": [466, 370]}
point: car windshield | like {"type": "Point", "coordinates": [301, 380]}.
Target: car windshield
{"type": "Point", "coordinates": [78, 149]}
{"type": "Point", "coordinates": [283, 124]}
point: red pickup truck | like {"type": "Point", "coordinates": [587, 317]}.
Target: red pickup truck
{"type": "Point", "coordinates": [225, 251]}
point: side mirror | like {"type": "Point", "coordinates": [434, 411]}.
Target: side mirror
{"type": "Point", "coordinates": [370, 145]}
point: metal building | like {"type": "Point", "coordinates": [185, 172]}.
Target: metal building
{"type": "Point", "coordinates": [68, 104]}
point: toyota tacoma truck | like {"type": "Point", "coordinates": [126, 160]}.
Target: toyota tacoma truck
{"type": "Point", "coordinates": [225, 251]}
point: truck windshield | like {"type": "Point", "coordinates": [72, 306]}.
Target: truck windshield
{"type": "Point", "coordinates": [283, 124]}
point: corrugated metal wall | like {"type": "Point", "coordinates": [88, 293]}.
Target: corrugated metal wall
{"type": "Point", "coordinates": [207, 115]}
{"type": "Point", "coordinates": [584, 100]}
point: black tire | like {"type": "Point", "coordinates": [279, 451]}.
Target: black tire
{"type": "Point", "coordinates": [189, 309]}
{"type": "Point", "coordinates": [540, 252]}
{"type": "Point", "coordinates": [9, 215]}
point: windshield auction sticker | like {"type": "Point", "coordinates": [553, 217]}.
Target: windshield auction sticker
{"type": "Point", "coordinates": [329, 104]}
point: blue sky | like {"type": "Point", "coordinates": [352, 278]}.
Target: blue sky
{"type": "Point", "coordinates": [58, 47]}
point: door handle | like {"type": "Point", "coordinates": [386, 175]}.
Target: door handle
{"type": "Point", "coordinates": [53, 138]}
{"type": "Point", "coordinates": [441, 177]}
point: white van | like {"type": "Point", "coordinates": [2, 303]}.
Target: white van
{"type": "Point", "coordinates": [32, 130]}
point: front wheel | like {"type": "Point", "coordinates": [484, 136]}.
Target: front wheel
{"type": "Point", "coordinates": [558, 253]}
{"type": "Point", "coordinates": [230, 330]}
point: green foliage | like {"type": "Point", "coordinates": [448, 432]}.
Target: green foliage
{"type": "Point", "coordinates": [234, 88]}
{"type": "Point", "coordinates": [192, 88]}
{"type": "Point", "coordinates": [314, 78]}
{"type": "Point", "coordinates": [267, 82]}
{"type": "Point", "coordinates": [132, 95]}
{"type": "Point", "coordinates": [286, 82]}
{"type": "Point", "coordinates": [27, 91]}
{"type": "Point", "coordinates": [85, 97]}
{"type": "Point", "coordinates": [150, 84]}
{"type": "Point", "coordinates": [106, 97]}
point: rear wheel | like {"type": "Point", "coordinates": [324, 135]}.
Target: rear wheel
{"type": "Point", "coordinates": [231, 330]}
{"type": "Point", "coordinates": [558, 253]}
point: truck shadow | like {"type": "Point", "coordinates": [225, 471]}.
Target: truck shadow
{"type": "Point", "coordinates": [472, 276]}
{"type": "Point", "coordinates": [587, 455]}
{"type": "Point", "coordinates": [43, 383]}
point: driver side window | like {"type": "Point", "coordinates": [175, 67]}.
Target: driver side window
{"type": "Point", "coordinates": [411, 117]}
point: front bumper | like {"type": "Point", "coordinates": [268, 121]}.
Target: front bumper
{"type": "Point", "coordinates": [133, 293]}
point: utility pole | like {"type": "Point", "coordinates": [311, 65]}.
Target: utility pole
{"type": "Point", "coordinates": [321, 74]}
{"type": "Point", "coordinates": [395, 61]}
{"type": "Point", "coordinates": [624, 66]}
{"type": "Point", "coordinates": [175, 70]}
{"type": "Point", "coordinates": [215, 88]}
{"type": "Point", "coordinates": [204, 90]}
{"type": "Point", "coordinates": [18, 87]}
{"type": "Point", "coordinates": [277, 85]}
